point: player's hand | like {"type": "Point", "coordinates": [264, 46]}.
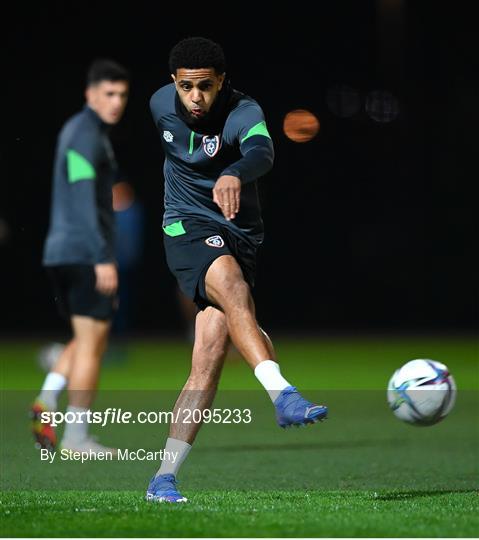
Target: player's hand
{"type": "Point", "coordinates": [226, 194]}
{"type": "Point", "coordinates": [106, 278]}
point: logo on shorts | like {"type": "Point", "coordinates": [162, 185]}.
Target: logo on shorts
{"type": "Point", "coordinates": [211, 145]}
{"type": "Point", "coordinates": [215, 241]}
{"type": "Point", "coordinates": [168, 136]}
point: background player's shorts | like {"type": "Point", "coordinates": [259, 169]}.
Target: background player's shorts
{"type": "Point", "coordinates": [191, 245]}
{"type": "Point", "coordinates": [75, 292]}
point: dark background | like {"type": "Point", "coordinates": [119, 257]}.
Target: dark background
{"type": "Point", "coordinates": [371, 225]}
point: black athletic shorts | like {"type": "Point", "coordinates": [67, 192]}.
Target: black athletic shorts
{"type": "Point", "coordinates": [75, 292]}
{"type": "Point", "coordinates": [191, 245]}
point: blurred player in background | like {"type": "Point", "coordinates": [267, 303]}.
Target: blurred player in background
{"type": "Point", "coordinates": [79, 252]}
{"type": "Point", "coordinates": [216, 145]}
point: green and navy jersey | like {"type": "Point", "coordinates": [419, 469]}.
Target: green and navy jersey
{"type": "Point", "coordinates": [81, 218]}
{"type": "Point", "coordinates": [194, 161]}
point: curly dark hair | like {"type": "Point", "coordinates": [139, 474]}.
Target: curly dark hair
{"type": "Point", "coordinates": [104, 69]}
{"type": "Point", "coordinates": [197, 52]}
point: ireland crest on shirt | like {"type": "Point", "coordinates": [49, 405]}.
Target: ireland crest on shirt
{"type": "Point", "coordinates": [211, 145]}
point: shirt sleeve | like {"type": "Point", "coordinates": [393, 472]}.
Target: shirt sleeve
{"type": "Point", "coordinates": [82, 163]}
{"type": "Point", "coordinates": [154, 105]}
{"type": "Point", "coordinates": [159, 103]}
{"type": "Point", "coordinates": [249, 128]}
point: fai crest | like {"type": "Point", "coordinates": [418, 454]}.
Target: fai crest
{"type": "Point", "coordinates": [211, 145]}
{"type": "Point", "coordinates": [215, 241]}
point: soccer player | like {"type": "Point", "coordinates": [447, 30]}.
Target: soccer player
{"type": "Point", "coordinates": [79, 251]}
{"type": "Point", "coordinates": [216, 146]}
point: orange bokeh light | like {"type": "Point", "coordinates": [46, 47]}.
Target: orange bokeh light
{"type": "Point", "coordinates": [123, 196]}
{"type": "Point", "coordinates": [300, 125]}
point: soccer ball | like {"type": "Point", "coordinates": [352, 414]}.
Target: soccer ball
{"type": "Point", "coordinates": [49, 354]}
{"type": "Point", "coordinates": [422, 392]}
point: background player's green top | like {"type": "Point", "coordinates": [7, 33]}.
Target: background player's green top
{"type": "Point", "coordinates": [238, 145]}
{"type": "Point", "coordinates": [81, 218]}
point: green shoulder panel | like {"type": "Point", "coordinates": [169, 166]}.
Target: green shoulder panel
{"type": "Point", "coordinates": [78, 167]}
{"type": "Point", "coordinates": [259, 129]}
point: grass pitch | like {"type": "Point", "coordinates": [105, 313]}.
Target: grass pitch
{"type": "Point", "coordinates": [360, 473]}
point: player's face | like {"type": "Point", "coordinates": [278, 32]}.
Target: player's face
{"type": "Point", "coordinates": [108, 99]}
{"type": "Point", "coordinates": [197, 89]}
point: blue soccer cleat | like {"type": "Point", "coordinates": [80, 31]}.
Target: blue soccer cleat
{"type": "Point", "coordinates": [162, 488]}
{"type": "Point", "coordinates": [293, 410]}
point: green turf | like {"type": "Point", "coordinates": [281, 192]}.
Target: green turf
{"type": "Point", "coordinates": [361, 473]}
{"type": "Point", "coordinates": [240, 513]}
{"type": "Point", "coordinates": [329, 362]}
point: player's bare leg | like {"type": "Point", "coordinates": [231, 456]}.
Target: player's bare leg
{"type": "Point", "coordinates": [209, 352]}
{"type": "Point", "coordinates": [65, 360]}
{"type": "Point", "coordinates": [91, 338]}
{"type": "Point", "coordinates": [57, 378]}
{"type": "Point", "coordinates": [226, 288]}
{"type": "Point", "coordinates": [55, 382]}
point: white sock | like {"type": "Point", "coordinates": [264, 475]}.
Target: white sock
{"type": "Point", "coordinates": [51, 389]}
{"type": "Point", "coordinates": [76, 431]}
{"type": "Point", "coordinates": [174, 454]}
{"type": "Point", "coordinates": [269, 375]}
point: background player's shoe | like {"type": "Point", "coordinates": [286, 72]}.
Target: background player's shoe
{"type": "Point", "coordinates": [293, 410]}
{"type": "Point", "coordinates": [162, 488]}
{"type": "Point", "coordinates": [87, 445]}
{"type": "Point", "coordinates": [44, 433]}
